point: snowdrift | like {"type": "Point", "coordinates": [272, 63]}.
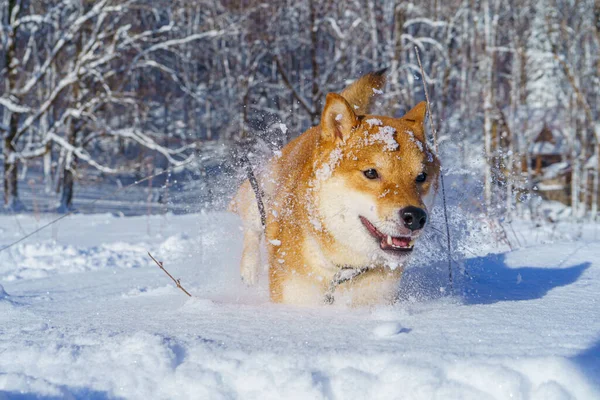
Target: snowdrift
{"type": "Point", "coordinates": [84, 313]}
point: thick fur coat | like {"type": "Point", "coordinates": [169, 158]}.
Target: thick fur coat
{"type": "Point", "coordinates": [349, 193]}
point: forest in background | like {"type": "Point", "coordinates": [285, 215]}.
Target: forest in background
{"type": "Point", "coordinates": [130, 87]}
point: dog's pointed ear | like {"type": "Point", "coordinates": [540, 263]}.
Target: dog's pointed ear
{"type": "Point", "coordinates": [338, 119]}
{"type": "Point", "coordinates": [363, 91]}
{"type": "Point", "coordinates": [416, 118]}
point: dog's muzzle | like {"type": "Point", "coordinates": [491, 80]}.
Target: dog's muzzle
{"type": "Point", "coordinates": [387, 242]}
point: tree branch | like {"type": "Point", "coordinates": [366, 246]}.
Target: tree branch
{"type": "Point", "coordinates": [177, 281]}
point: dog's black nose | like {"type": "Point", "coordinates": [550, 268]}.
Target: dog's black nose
{"type": "Point", "coordinates": [414, 217]}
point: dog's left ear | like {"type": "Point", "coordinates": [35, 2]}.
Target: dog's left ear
{"type": "Point", "coordinates": [338, 118]}
{"type": "Point", "coordinates": [416, 118]}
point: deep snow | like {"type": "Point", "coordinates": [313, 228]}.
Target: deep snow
{"type": "Point", "coordinates": [84, 313]}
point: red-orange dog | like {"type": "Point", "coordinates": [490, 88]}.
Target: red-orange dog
{"type": "Point", "coordinates": [344, 200]}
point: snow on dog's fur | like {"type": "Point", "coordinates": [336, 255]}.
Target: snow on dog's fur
{"type": "Point", "coordinates": [346, 194]}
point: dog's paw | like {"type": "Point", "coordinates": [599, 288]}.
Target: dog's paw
{"type": "Point", "coordinates": [250, 269]}
{"type": "Point", "coordinates": [249, 275]}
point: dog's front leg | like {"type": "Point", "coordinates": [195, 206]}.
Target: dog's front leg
{"type": "Point", "coordinates": [250, 265]}
{"type": "Point", "coordinates": [245, 205]}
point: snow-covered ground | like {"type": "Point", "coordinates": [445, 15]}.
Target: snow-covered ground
{"type": "Point", "coordinates": [84, 313]}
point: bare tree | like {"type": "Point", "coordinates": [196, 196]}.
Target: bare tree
{"type": "Point", "coordinates": [86, 82]}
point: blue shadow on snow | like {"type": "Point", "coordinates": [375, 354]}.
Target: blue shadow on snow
{"type": "Point", "coordinates": [492, 281]}
{"type": "Point", "coordinates": [67, 393]}
{"type": "Point", "coordinates": [588, 362]}
{"type": "Point", "coordinates": [487, 280]}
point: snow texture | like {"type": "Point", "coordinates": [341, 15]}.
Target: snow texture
{"type": "Point", "coordinates": [416, 141]}
{"type": "Point", "coordinates": [374, 122]}
{"type": "Point", "coordinates": [326, 170]}
{"type": "Point", "coordinates": [84, 313]}
{"type": "Point", "coordinates": [385, 135]}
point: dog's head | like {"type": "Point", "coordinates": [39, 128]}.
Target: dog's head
{"type": "Point", "coordinates": [373, 178]}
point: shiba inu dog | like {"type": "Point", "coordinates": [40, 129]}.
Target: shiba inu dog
{"type": "Point", "coordinates": [345, 198]}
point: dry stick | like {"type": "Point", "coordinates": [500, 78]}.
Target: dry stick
{"type": "Point", "coordinates": [257, 192]}
{"type": "Point", "coordinates": [435, 145]}
{"type": "Point", "coordinates": [92, 203]}
{"type": "Point", "coordinates": [177, 281]}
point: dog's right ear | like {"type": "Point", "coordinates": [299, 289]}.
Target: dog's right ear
{"type": "Point", "coordinates": [338, 119]}
{"type": "Point", "coordinates": [416, 117]}
{"type": "Point", "coordinates": [362, 93]}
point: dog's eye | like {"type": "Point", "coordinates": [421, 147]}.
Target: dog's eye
{"type": "Point", "coordinates": [371, 173]}
{"type": "Point", "coordinates": [421, 177]}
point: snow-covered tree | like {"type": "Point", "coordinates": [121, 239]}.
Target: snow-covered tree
{"type": "Point", "coordinates": [117, 84]}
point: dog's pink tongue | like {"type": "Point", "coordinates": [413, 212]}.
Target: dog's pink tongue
{"type": "Point", "coordinates": [400, 242]}
{"type": "Point", "coordinates": [388, 242]}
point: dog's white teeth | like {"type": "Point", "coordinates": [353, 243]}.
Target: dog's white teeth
{"type": "Point", "coordinates": [411, 243]}
{"type": "Point", "coordinates": [389, 240]}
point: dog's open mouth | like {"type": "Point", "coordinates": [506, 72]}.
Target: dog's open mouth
{"type": "Point", "coordinates": [387, 242]}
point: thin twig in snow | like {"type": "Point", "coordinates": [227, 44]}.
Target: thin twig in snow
{"type": "Point", "coordinates": [257, 190]}
{"type": "Point", "coordinates": [177, 281]}
{"type": "Point", "coordinates": [433, 130]}
{"type": "Point", "coordinates": [435, 145]}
